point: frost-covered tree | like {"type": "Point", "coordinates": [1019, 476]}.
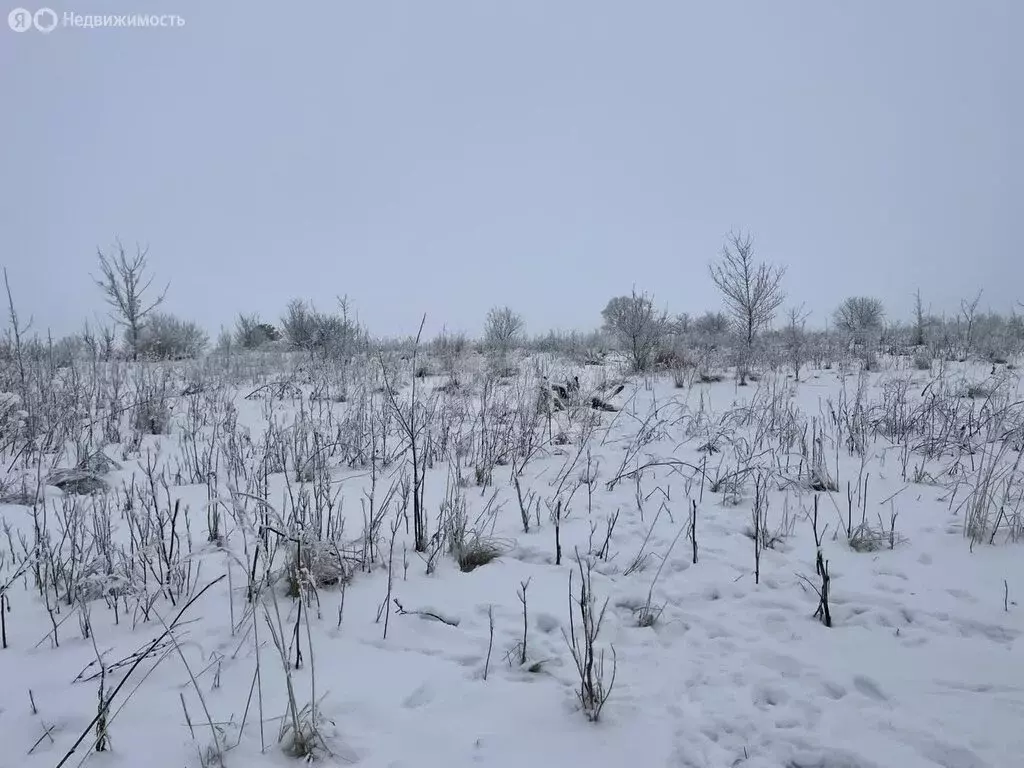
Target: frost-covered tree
{"type": "Point", "coordinates": [252, 333]}
{"type": "Point", "coordinates": [502, 332]}
{"type": "Point", "coordinates": [752, 292]}
{"type": "Point", "coordinates": [126, 288]}
{"type": "Point", "coordinates": [795, 338]}
{"type": "Point", "coordinates": [861, 319]}
{"type": "Point", "coordinates": [710, 327]}
{"type": "Point", "coordinates": [967, 319]}
{"type": "Point", "coordinates": [636, 326]}
{"type": "Point", "coordinates": [919, 337]}
{"type": "Point", "coordinates": [859, 314]}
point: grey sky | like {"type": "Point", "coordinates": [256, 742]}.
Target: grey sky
{"type": "Point", "coordinates": [449, 156]}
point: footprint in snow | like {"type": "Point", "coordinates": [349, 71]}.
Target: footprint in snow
{"type": "Point", "coordinates": [834, 691]}
{"type": "Point", "coordinates": [960, 594]}
{"type": "Point", "coordinates": [422, 696]}
{"type": "Point", "coordinates": [869, 688]}
{"type": "Point", "coordinates": [547, 623]}
{"type": "Point", "coordinates": [787, 666]}
{"type": "Point", "coordinates": [769, 696]}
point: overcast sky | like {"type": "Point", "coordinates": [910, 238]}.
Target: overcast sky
{"type": "Point", "coordinates": [444, 157]}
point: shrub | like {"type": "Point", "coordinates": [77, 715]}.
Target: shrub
{"type": "Point", "coordinates": [152, 417]}
{"type": "Point", "coordinates": [252, 333]}
{"type": "Point", "coordinates": [166, 337]}
{"type": "Point", "coordinates": [451, 350]}
{"type": "Point", "coordinates": [636, 326]}
{"type": "Point", "coordinates": [922, 361]}
{"type": "Point", "coordinates": [861, 319]}
{"type": "Point", "coordinates": [331, 335]}
{"type": "Point", "coordinates": [502, 332]}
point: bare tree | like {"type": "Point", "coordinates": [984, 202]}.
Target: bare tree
{"type": "Point", "coordinates": [125, 286]}
{"type": "Point", "coordinates": [968, 312]}
{"type": "Point", "coordinates": [502, 331]}
{"type": "Point", "coordinates": [920, 322]}
{"type": "Point", "coordinates": [861, 319]}
{"type": "Point", "coordinates": [752, 291]}
{"type": "Point", "coordinates": [299, 325]}
{"type": "Point", "coordinates": [108, 344]}
{"type": "Point", "coordinates": [16, 335]}
{"type": "Point", "coordinates": [859, 313]}
{"type": "Point", "coordinates": [636, 325]}
{"type": "Point", "coordinates": [796, 338]}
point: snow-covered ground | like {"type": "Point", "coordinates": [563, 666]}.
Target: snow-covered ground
{"type": "Point", "coordinates": [923, 664]}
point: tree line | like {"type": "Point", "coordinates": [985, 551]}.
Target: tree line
{"type": "Point", "coordinates": [751, 290]}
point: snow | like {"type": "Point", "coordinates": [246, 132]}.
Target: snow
{"type": "Point", "coordinates": [922, 665]}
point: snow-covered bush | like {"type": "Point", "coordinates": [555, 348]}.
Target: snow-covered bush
{"type": "Point", "coordinates": [166, 337]}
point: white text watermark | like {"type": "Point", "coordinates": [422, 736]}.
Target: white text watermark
{"type": "Point", "coordinates": [46, 20]}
